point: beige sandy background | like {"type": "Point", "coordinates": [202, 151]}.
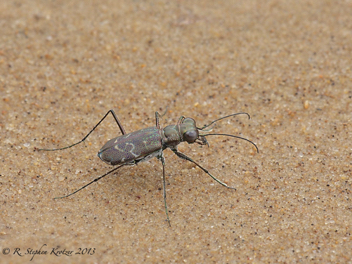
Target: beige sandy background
{"type": "Point", "coordinates": [64, 64]}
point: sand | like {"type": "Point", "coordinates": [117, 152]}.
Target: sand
{"type": "Point", "coordinates": [64, 64]}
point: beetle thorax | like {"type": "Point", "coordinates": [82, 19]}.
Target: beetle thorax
{"type": "Point", "coordinates": [171, 136]}
{"type": "Point", "coordinates": [185, 130]}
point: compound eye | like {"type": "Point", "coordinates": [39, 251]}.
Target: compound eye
{"type": "Point", "coordinates": [191, 136]}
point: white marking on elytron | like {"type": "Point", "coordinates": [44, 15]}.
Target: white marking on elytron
{"type": "Point", "coordinates": [131, 151]}
{"type": "Point", "coordinates": [125, 136]}
{"type": "Point", "coordinates": [117, 147]}
{"type": "Point", "coordinates": [123, 151]}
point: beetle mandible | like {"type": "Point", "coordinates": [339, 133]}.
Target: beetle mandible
{"type": "Point", "coordinates": [144, 144]}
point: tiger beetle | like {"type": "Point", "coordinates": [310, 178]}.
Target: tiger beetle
{"type": "Point", "coordinates": [144, 144]}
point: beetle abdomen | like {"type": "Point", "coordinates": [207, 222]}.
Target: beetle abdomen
{"type": "Point", "coordinates": [131, 147]}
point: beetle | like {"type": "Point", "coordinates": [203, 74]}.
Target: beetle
{"type": "Point", "coordinates": [142, 145]}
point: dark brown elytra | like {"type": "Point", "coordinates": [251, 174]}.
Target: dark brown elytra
{"type": "Point", "coordinates": [144, 144]}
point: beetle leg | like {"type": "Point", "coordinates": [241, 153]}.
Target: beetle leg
{"type": "Point", "coordinates": [180, 120]}
{"type": "Point", "coordinates": [117, 121]}
{"type": "Point", "coordinates": [162, 159]}
{"type": "Point", "coordinates": [101, 120]}
{"type": "Point", "coordinates": [183, 156]}
{"type": "Point", "coordinates": [95, 180]}
{"type": "Point", "coordinates": [157, 116]}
